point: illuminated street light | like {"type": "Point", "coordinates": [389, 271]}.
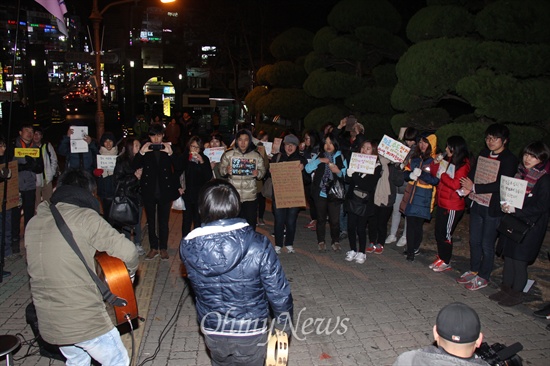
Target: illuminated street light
{"type": "Point", "coordinates": [96, 17]}
{"type": "Point", "coordinates": [33, 62]}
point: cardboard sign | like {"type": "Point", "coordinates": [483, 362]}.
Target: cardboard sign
{"type": "Point", "coordinates": [21, 152]}
{"type": "Point", "coordinates": [486, 172]}
{"type": "Point", "coordinates": [78, 144]}
{"type": "Point", "coordinates": [268, 146]}
{"type": "Point", "coordinates": [106, 162]}
{"type": "Point", "coordinates": [276, 147]}
{"type": "Point", "coordinates": [393, 149]}
{"type": "Point", "coordinates": [242, 166]}
{"type": "Point", "coordinates": [513, 190]}
{"type": "Point", "coordinates": [288, 185]}
{"type": "Point", "coordinates": [13, 188]}
{"type": "Point", "coordinates": [214, 153]}
{"type": "Point", "coordinates": [363, 163]}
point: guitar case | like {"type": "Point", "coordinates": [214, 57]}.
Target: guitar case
{"type": "Point", "coordinates": [46, 349]}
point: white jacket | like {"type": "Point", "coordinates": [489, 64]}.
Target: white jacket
{"type": "Point", "coordinates": [50, 165]}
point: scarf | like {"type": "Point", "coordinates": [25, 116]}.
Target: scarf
{"type": "Point", "coordinates": [75, 196]}
{"type": "Point", "coordinates": [383, 190]}
{"type": "Point", "coordinates": [327, 175]}
{"type": "Point", "coordinates": [532, 175]}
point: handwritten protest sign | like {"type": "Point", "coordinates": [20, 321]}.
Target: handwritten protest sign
{"type": "Point", "coordinates": [287, 184]}
{"type": "Point", "coordinates": [21, 152]}
{"type": "Point", "coordinates": [106, 162]}
{"type": "Point", "coordinates": [512, 190]}
{"type": "Point", "coordinates": [268, 147]}
{"type": "Point", "coordinates": [486, 172]}
{"type": "Point", "coordinates": [276, 147]}
{"type": "Point", "coordinates": [13, 188]}
{"type": "Point", "coordinates": [363, 163]}
{"type": "Point", "coordinates": [78, 144]}
{"type": "Point", "coordinates": [214, 154]}
{"type": "Point", "coordinates": [392, 149]}
{"type": "Point", "coordinates": [242, 166]}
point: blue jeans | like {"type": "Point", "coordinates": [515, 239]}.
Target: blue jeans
{"type": "Point", "coordinates": [483, 235]}
{"type": "Point", "coordinates": [106, 349]}
{"type": "Point", "coordinates": [285, 218]}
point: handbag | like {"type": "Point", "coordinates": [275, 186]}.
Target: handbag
{"type": "Point", "coordinates": [407, 197]}
{"type": "Point", "coordinates": [125, 207]}
{"type": "Point", "coordinates": [267, 189]}
{"type": "Point", "coordinates": [356, 202]}
{"type": "Point", "coordinates": [336, 190]}
{"type": "Point", "coordinates": [514, 228]}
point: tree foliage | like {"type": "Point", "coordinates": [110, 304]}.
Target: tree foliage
{"type": "Point", "coordinates": [284, 74]}
{"type": "Point", "coordinates": [290, 103]}
{"type": "Point", "coordinates": [319, 116]}
{"type": "Point", "coordinates": [291, 44]}
{"type": "Point", "coordinates": [440, 21]}
{"type": "Point", "coordinates": [332, 84]}
{"type": "Point", "coordinates": [347, 15]}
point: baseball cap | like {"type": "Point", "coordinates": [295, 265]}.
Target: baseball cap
{"type": "Point", "coordinates": [458, 323]}
{"type": "Point", "coordinates": [291, 139]}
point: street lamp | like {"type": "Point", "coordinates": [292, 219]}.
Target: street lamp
{"type": "Point", "coordinates": [96, 17]}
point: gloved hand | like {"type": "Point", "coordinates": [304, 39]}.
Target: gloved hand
{"type": "Point", "coordinates": [417, 171]}
{"type": "Point", "coordinates": [350, 172]}
{"type": "Point", "coordinates": [413, 177]}
{"type": "Point", "coordinates": [401, 166]}
{"type": "Point", "coordinates": [98, 172]}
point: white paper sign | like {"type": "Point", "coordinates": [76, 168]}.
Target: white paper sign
{"type": "Point", "coordinates": [214, 153]}
{"type": "Point", "coordinates": [445, 167]}
{"type": "Point", "coordinates": [267, 145]}
{"type": "Point", "coordinates": [393, 149]}
{"type": "Point", "coordinates": [78, 144]}
{"type": "Point", "coordinates": [363, 163]}
{"type": "Point", "coordinates": [276, 147]}
{"type": "Point", "coordinates": [512, 190]}
{"type": "Point", "coordinates": [106, 162]}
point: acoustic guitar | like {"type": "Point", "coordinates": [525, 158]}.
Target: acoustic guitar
{"type": "Point", "coordinates": [114, 273]}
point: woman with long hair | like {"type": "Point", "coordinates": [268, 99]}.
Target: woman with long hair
{"type": "Point", "coordinates": [450, 167]}
{"type": "Point", "coordinates": [309, 148]}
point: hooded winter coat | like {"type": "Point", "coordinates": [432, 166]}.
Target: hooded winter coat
{"type": "Point", "coordinates": [236, 278]}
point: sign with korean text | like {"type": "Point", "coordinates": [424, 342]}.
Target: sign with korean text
{"type": "Point", "coordinates": [106, 162]}
{"type": "Point", "coordinates": [242, 166]}
{"type": "Point", "coordinates": [13, 188]}
{"type": "Point", "coordinates": [363, 163]}
{"type": "Point", "coordinates": [21, 152]}
{"type": "Point", "coordinates": [288, 185]}
{"type": "Point", "coordinates": [393, 149]}
{"type": "Point", "coordinates": [486, 172]}
{"type": "Point", "coordinates": [78, 144]}
{"type": "Point", "coordinates": [214, 153]}
{"type": "Point", "coordinates": [512, 190]}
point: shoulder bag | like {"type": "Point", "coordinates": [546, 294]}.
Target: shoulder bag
{"type": "Point", "coordinates": [514, 228]}
{"type": "Point", "coordinates": [125, 207]}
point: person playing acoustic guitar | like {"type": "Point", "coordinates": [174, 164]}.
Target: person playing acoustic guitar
{"type": "Point", "coordinates": [69, 306]}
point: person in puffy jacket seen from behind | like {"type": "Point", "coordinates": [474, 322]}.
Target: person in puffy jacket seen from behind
{"type": "Point", "coordinates": [236, 277]}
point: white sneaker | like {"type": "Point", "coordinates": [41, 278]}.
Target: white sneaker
{"type": "Point", "coordinates": [402, 241]}
{"type": "Point", "coordinates": [140, 250]}
{"type": "Point", "coordinates": [290, 249]}
{"type": "Point", "coordinates": [350, 255]}
{"type": "Point", "coordinates": [390, 239]}
{"type": "Point", "coordinates": [278, 250]}
{"type": "Point", "coordinates": [360, 258]}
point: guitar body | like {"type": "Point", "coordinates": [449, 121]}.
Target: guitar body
{"type": "Point", "coordinates": [113, 271]}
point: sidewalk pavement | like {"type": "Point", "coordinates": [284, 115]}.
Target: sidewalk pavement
{"type": "Point", "coordinates": [345, 313]}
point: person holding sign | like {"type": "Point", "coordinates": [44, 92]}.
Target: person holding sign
{"type": "Point", "coordinates": [309, 149]}
{"type": "Point", "coordinates": [483, 186]}
{"type": "Point", "coordinates": [285, 218]}
{"type": "Point", "coordinates": [419, 203]}
{"type": "Point", "coordinates": [450, 168]}
{"type": "Point", "coordinates": [216, 141]}
{"type": "Point", "coordinates": [242, 166]}
{"type": "Point", "coordinates": [328, 166]}
{"type": "Point", "coordinates": [78, 160]}
{"type": "Point", "coordinates": [104, 171]}
{"type": "Point", "coordinates": [359, 205]}
{"type": "Point", "coordinates": [534, 168]}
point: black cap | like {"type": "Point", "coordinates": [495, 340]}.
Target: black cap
{"type": "Point", "coordinates": [458, 323]}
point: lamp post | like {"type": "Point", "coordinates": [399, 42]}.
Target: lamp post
{"type": "Point", "coordinates": [132, 91]}
{"type": "Point", "coordinates": [96, 17]}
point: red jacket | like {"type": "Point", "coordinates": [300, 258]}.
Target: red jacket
{"type": "Point", "coordinates": [447, 197]}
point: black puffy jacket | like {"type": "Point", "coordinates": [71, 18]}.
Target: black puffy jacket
{"type": "Point", "coordinates": [236, 277]}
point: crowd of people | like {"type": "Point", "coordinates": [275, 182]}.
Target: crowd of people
{"type": "Point", "coordinates": [167, 163]}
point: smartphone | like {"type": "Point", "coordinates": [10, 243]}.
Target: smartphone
{"type": "Point", "coordinates": [156, 147]}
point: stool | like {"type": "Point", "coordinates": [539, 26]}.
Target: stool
{"type": "Point", "coordinates": [8, 343]}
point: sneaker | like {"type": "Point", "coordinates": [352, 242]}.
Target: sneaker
{"type": "Point", "coordinates": [278, 250]}
{"type": "Point", "coordinates": [543, 313]}
{"type": "Point", "coordinates": [153, 253]}
{"type": "Point", "coordinates": [350, 255]}
{"type": "Point", "coordinates": [290, 249]}
{"type": "Point", "coordinates": [441, 267]}
{"type": "Point", "coordinates": [360, 258]}
{"type": "Point", "coordinates": [311, 225]}
{"type": "Point", "coordinates": [164, 254]}
{"type": "Point", "coordinates": [140, 249]}
{"type": "Point", "coordinates": [416, 251]}
{"type": "Point", "coordinates": [466, 277]}
{"type": "Point", "coordinates": [402, 241]}
{"type": "Point", "coordinates": [390, 239]}
{"type": "Point", "coordinates": [370, 248]}
{"type": "Point", "coordinates": [378, 249]}
{"type": "Point", "coordinates": [261, 222]}
{"type": "Point", "coordinates": [343, 235]}
{"type": "Point", "coordinates": [435, 263]}
{"type": "Point", "coordinates": [336, 247]}
{"type": "Point", "coordinates": [410, 257]}
{"type": "Point", "coordinates": [476, 284]}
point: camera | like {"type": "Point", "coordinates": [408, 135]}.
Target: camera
{"type": "Point", "coordinates": [156, 147]}
{"type": "Point", "coordinates": [500, 355]}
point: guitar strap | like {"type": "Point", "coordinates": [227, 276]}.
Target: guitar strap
{"type": "Point", "coordinates": [108, 296]}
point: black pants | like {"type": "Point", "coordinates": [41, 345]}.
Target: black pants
{"type": "Point", "coordinates": [332, 209]}
{"type": "Point", "coordinates": [229, 351]}
{"type": "Point", "coordinates": [514, 274]}
{"type": "Point", "coordinates": [445, 225]}
{"type": "Point", "coordinates": [191, 217]}
{"type": "Point", "coordinates": [248, 212]}
{"type": "Point", "coordinates": [357, 227]}
{"type": "Point", "coordinates": [28, 199]}
{"type": "Point", "coordinates": [379, 224]}
{"type": "Point", "coordinates": [157, 212]}
{"type": "Point", "coordinates": [311, 202]}
{"type": "Point", "coordinates": [261, 205]}
{"type": "Point", "coordinates": [414, 233]}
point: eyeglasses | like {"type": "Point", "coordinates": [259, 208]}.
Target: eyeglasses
{"type": "Point", "coordinates": [195, 146]}
{"type": "Point", "coordinates": [491, 138]}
